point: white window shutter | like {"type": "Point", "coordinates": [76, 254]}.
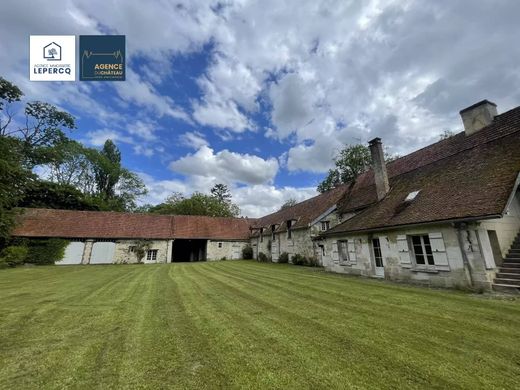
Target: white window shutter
{"type": "Point", "coordinates": [404, 251]}
{"type": "Point", "coordinates": [335, 256]}
{"type": "Point", "coordinates": [440, 256]}
{"type": "Point", "coordinates": [351, 245]}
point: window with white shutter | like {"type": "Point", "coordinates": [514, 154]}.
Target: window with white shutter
{"type": "Point", "coordinates": [352, 256]}
{"type": "Point", "coordinates": [335, 255]}
{"type": "Point", "coordinates": [440, 257]}
{"type": "Point", "coordinates": [404, 251]}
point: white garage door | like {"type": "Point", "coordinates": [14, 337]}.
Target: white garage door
{"type": "Point", "coordinates": [73, 254]}
{"type": "Point", "coordinates": [103, 253]}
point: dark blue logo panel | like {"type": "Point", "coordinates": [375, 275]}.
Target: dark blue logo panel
{"type": "Point", "coordinates": [102, 57]}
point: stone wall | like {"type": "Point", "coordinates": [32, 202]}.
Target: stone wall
{"type": "Point", "coordinates": [507, 227]}
{"type": "Point", "coordinates": [123, 255]}
{"type": "Point", "coordinates": [231, 250]}
{"type": "Point", "coordinates": [400, 264]}
{"type": "Point", "coordinates": [300, 242]}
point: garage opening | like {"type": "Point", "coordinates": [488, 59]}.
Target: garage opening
{"type": "Point", "coordinates": [189, 250]}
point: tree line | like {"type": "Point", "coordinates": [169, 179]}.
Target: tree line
{"type": "Point", "coordinates": [41, 166]}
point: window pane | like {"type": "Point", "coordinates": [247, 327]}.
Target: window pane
{"type": "Point", "coordinates": [419, 259]}
{"type": "Point", "coordinates": [416, 240]}
{"type": "Point", "coordinates": [430, 260]}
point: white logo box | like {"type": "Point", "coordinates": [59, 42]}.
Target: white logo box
{"type": "Point", "coordinates": [52, 58]}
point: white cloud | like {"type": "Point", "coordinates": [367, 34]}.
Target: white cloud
{"type": "Point", "coordinates": [227, 167]}
{"type": "Point", "coordinates": [193, 139]}
{"type": "Point", "coordinates": [137, 91]}
{"type": "Point", "coordinates": [259, 200]}
{"type": "Point", "coordinates": [223, 114]}
{"type": "Point", "coordinates": [98, 137]}
{"type": "Point", "coordinates": [254, 201]}
{"type": "Point", "coordinates": [143, 130]}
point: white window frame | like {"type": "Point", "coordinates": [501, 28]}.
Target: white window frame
{"type": "Point", "coordinates": [325, 224]}
{"type": "Point", "coordinates": [220, 245]}
{"type": "Point", "coordinates": [376, 257]}
{"type": "Point", "coordinates": [261, 234]}
{"type": "Point", "coordinates": [151, 254]}
{"type": "Point", "coordinates": [424, 253]}
{"type": "Point", "coordinates": [289, 227]}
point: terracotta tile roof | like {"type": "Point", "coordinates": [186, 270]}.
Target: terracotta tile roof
{"type": "Point", "coordinates": [460, 177]}
{"type": "Point", "coordinates": [362, 192]}
{"type": "Point", "coordinates": [100, 224]}
{"type": "Point", "coordinates": [304, 212]}
{"type": "Point", "coordinates": [196, 226]}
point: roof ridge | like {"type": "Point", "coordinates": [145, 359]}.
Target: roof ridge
{"type": "Point", "coordinates": [493, 139]}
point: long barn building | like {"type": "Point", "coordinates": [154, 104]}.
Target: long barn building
{"type": "Point", "coordinates": [445, 215]}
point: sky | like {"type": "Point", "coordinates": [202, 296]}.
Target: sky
{"type": "Point", "coordinates": [261, 95]}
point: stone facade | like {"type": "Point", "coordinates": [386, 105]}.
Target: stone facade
{"type": "Point", "coordinates": [301, 240]}
{"type": "Point", "coordinates": [454, 267]}
{"type": "Point", "coordinates": [230, 250]}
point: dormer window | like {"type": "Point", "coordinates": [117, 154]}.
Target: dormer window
{"type": "Point", "coordinates": [325, 225]}
{"type": "Point", "coordinates": [289, 226]}
{"type": "Point", "coordinates": [411, 196]}
{"type": "Point", "coordinates": [273, 235]}
{"type": "Point", "coordinates": [261, 234]}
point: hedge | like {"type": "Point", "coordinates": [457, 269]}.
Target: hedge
{"type": "Point", "coordinates": [45, 251]}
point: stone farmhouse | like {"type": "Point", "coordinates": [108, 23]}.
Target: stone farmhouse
{"type": "Point", "coordinates": [445, 215]}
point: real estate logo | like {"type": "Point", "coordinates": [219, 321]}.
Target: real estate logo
{"type": "Point", "coordinates": [102, 57]}
{"type": "Point", "coordinates": [52, 58]}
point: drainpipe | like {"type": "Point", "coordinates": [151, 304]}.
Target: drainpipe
{"type": "Point", "coordinates": [461, 227]}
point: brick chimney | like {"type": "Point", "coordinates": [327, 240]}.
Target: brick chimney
{"type": "Point", "coordinates": [478, 116]}
{"type": "Point", "coordinates": [379, 167]}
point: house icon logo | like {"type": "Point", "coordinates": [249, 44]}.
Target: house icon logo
{"type": "Point", "coordinates": [52, 52]}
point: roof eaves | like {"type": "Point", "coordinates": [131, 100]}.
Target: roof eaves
{"type": "Point", "coordinates": [394, 227]}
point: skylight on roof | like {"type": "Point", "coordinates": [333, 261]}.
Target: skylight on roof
{"type": "Point", "coordinates": [411, 196]}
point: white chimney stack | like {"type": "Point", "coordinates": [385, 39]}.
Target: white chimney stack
{"type": "Point", "coordinates": [379, 167]}
{"type": "Point", "coordinates": [478, 116]}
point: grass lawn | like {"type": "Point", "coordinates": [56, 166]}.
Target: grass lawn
{"type": "Point", "coordinates": [244, 324]}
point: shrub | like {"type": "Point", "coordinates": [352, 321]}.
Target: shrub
{"type": "Point", "coordinates": [284, 258]}
{"type": "Point", "coordinates": [312, 262]}
{"type": "Point", "coordinates": [224, 258]}
{"type": "Point", "coordinates": [46, 251]}
{"type": "Point", "coordinates": [13, 255]}
{"type": "Point", "coordinates": [263, 257]}
{"type": "Point", "coordinates": [298, 259]}
{"type": "Point", "coordinates": [141, 247]}
{"type": "Point", "coordinates": [247, 252]}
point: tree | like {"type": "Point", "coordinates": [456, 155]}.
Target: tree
{"type": "Point", "coordinates": [107, 169]}
{"type": "Point", "coordinates": [9, 93]}
{"type": "Point", "coordinates": [352, 161]}
{"type": "Point", "coordinates": [197, 204]}
{"type": "Point", "coordinates": [46, 194]}
{"type": "Point", "coordinates": [221, 192]}
{"type": "Point", "coordinates": [289, 203]}
{"type": "Point", "coordinates": [446, 134]}
{"type": "Point", "coordinates": [13, 180]}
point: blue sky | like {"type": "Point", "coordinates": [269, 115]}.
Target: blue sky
{"type": "Point", "coordinates": [261, 95]}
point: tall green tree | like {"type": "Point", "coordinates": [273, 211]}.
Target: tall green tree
{"type": "Point", "coordinates": [9, 93]}
{"type": "Point", "coordinates": [107, 170]}
{"type": "Point", "coordinates": [221, 192]}
{"type": "Point", "coordinates": [14, 177]}
{"type": "Point", "coordinates": [350, 162]}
